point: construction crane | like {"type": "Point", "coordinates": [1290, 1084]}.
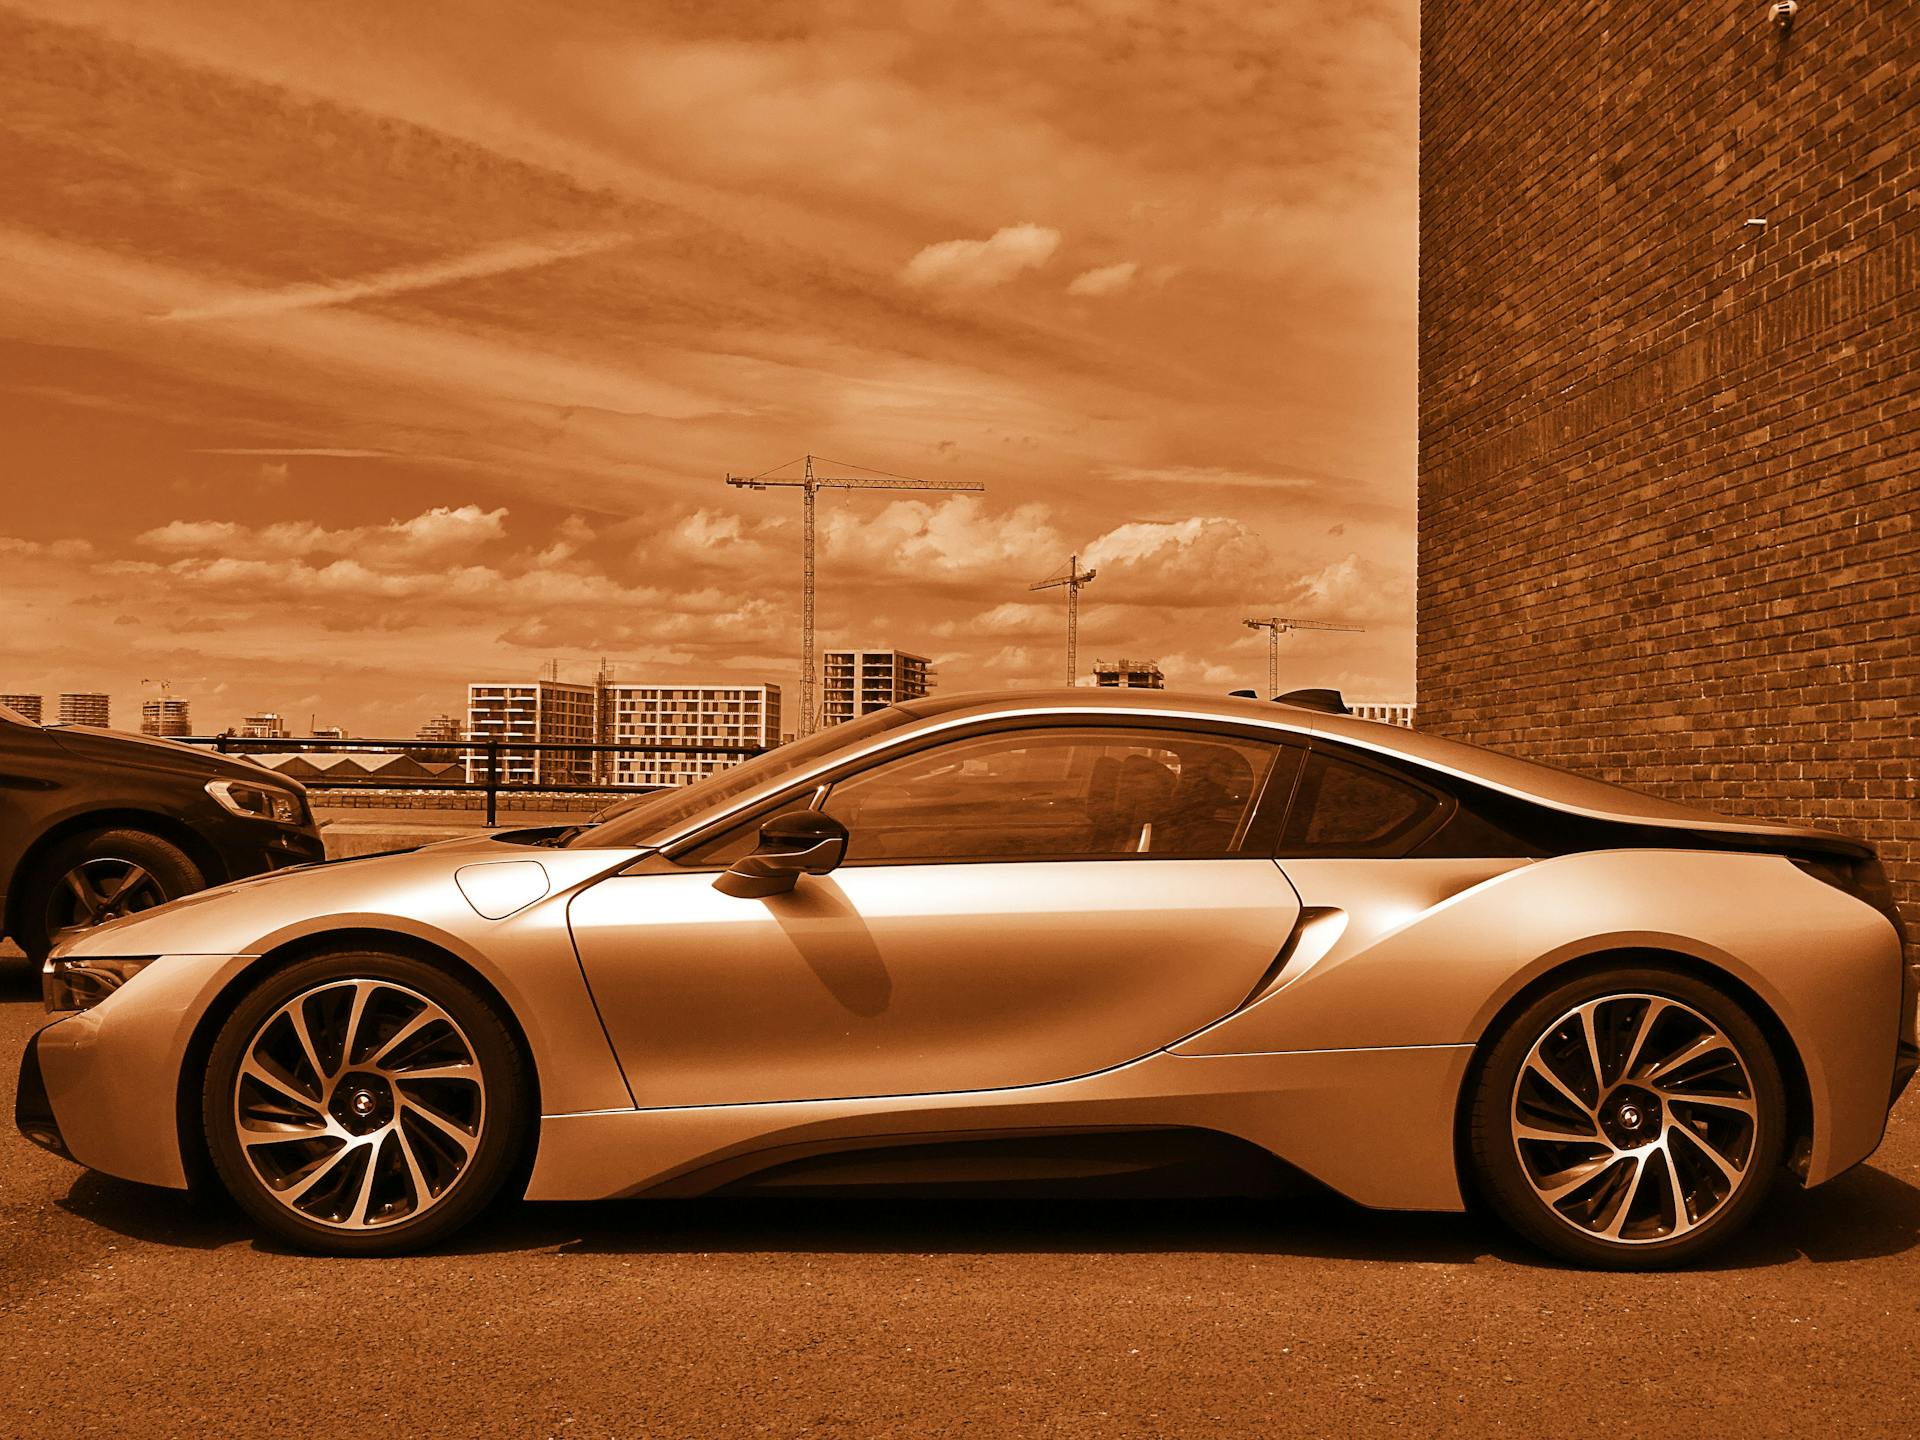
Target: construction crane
{"type": "Point", "coordinates": [809, 484]}
{"type": "Point", "coordinates": [1278, 625]}
{"type": "Point", "coordinates": [1073, 580]}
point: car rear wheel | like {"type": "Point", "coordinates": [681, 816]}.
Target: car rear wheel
{"type": "Point", "coordinates": [86, 880]}
{"type": "Point", "coordinates": [364, 1103]}
{"type": "Point", "coordinates": [1629, 1120]}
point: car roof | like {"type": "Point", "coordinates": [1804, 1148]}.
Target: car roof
{"type": "Point", "coordinates": [1509, 774]}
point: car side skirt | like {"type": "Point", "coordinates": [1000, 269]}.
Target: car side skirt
{"type": "Point", "coordinates": [1377, 1125]}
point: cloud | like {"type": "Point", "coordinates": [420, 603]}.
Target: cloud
{"type": "Point", "coordinates": [1106, 280]}
{"type": "Point", "coordinates": [983, 264]}
{"type": "Point", "coordinates": [493, 260]}
{"type": "Point", "coordinates": [442, 532]}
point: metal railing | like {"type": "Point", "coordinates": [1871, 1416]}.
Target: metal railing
{"type": "Point", "coordinates": [485, 755]}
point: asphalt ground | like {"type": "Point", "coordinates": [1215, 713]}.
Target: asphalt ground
{"type": "Point", "coordinates": [131, 1311]}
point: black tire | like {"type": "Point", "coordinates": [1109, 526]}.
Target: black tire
{"type": "Point", "coordinates": [1668, 1205]}
{"type": "Point", "coordinates": [398, 1146]}
{"type": "Point", "coordinates": [73, 883]}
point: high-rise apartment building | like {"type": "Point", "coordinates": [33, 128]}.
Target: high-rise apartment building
{"type": "Point", "coordinates": [650, 716]}
{"type": "Point", "coordinates": [1129, 674]}
{"type": "Point", "coordinates": [546, 712]}
{"type": "Point", "coordinates": [25, 705]}
{"type": "Point", "coordinates": [84, 707]}
{"type": "Point", "coordinates": [168, 715]}
{"type": "Point", "coordinates": [859, 682]}
{"type": "Point", "coordinates": [265, 726]}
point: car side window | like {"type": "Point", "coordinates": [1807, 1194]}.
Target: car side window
{"type": "Point", "coordinates": [1345, 809]}
{"type": "Point", "coordinates": [1058, 792]}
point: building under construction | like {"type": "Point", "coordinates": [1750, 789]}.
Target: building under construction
{"type": "Point", "coordinates": [1129, 674]}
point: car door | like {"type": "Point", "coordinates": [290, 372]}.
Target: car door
{"type": "Point", "coordinates": [1016, 907]}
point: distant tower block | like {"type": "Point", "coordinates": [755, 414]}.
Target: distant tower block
{"type": "Point", "coordinates": [858, 682]}
{"type": "Point", "coordinates": [27, 706]}
{"type": "Point", "coordinates": [84, 707]}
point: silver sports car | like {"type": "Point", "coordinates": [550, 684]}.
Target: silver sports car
{"type": "Point", "coordinates": [1019, 939]}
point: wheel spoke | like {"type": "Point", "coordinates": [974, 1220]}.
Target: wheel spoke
{"type": "Point", "coordinates": [1682, 1220]}
{"type": "Point", "coordinates": [1564, 1182]}
{"type": "Point", "coordinates": [134, 877]}
{"type": "Point", "coordinates": [1704, 1147]}
{"type": "Point", "coordinates": [406, 1032]}
{"type": "Point", "coordinates": [1705, 1045]}
{"type": "Point", "coordinates": [358, 1215]}
{"type": "Point", "coordinates": [291, 1195]}
{"type": "Point", "coordinates": [361, 990]}
{"type": "Point", "coordinates": [464, 1071]}
{"type": "Point", "coordinates": [257, 1072]}
{"type": "Point", "coordinates": [446, 1127]}
{"type": "Point", "coordinates": [83, 890]}
{"type": "Point", "coordinates": [422, 1192]}
{"type": "Point", "coordinates": [296, 1014]}
{"type": "Point", "coordinates": [1524, 1131]}
{"type": "Point", "coordinates": [1593, 1048]}
{"type": "Point", "coordinates": [1625, 1207]}
{"type": "Point", "coordinates": [1537, 1066]}
{"type": "Point", "coordinates": [1655, 1008]}
{"type": "Point", "coordinates": [1737, 1103]}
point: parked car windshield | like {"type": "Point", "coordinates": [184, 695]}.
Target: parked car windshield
{"type": "Point", "coordinates": [657, 816]}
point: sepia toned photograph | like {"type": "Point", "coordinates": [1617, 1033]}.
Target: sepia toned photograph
{"type": "Point", "coordinates": [1088, 718]}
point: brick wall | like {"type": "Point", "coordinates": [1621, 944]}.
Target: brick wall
{"type": "Point", "coordinates": [1670, 461]}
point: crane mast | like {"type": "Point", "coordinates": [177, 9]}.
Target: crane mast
{"type": "Point", "coordinates": [808, 483]}
{"type": "Point", "coordinates": [1278, 625]}
{"type": "Point", "coordinates": [1073, 581]}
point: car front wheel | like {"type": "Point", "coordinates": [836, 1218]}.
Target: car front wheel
{"type": "Point", "coordinates": [1629, 1120]}
{"type": "Point", "coordinates": [89, 879]}
{"type": "Point", "coordinates": [363, 1103]}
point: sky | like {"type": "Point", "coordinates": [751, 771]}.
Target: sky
{"type": "Point", "coordinates": [352, 352]}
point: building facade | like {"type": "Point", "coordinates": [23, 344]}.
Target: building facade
{"type": "Point", "coordinates": [265, 726]}
{"type": "Point", "coordinates": [1669, 445]}
{"type": "Point", "coordinates": [168, 715]}
{"type": "Point", "coordinates": [538, 712]}
{"type": "Point", "coordinates": [1129, 675]}
{"type": "Point", "coordinates": [27, 705]}
{"type": "Point", "coordinates": [1388, 712]}
{"type": "Point", "coordinates": [85, 707]}
{"type": "Point", "coordinates": [858, 682]}
{"type": "Point", "coordinates": [736, 720]}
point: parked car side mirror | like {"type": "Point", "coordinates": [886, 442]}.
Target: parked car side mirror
{"type": "Point", "coordinates": [799, 842]}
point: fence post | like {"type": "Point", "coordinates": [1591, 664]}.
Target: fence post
{"type": "Point", "coordinates": [493, 778]}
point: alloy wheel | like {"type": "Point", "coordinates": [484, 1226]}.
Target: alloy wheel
{"type": "Point", "coordinates": [98, 890]}
{"type": "Point", "coordinates": [1634, 1119]}
{"type": "Point", "coordinates": [359, 1104]}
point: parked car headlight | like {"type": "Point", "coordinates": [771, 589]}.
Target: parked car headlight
{"type": "Point", "coordinates": [258, 802]}
{"type": "Point", "coordinates": [76, 983]}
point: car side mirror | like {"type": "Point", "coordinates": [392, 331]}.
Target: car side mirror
{"type": "Point", "coordinates": [799, 842]}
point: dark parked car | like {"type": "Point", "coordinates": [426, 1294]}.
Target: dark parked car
{"type": "Point", "coordinates": [95, 824]}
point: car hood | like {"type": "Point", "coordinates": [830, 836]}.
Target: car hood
{"type": "Point", "coordinates": [150, 752]}
{"type": "Point", "coordinates": [412, 890]}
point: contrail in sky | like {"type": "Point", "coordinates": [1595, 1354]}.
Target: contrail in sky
{"type": "Point", "coordinates": [493, 260]}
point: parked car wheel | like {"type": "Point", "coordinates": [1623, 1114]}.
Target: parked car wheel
{"type": "Point", "coordinates": [364, 1104]}
{"type": "Point", "coordinates": [86, 880]}
{"type": "Point", "coordinates": [1629, 1119]}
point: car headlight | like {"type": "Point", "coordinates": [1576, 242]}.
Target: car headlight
{"type": "Point", "coordinates": [258, 802]}
{"type": "Point", "coordinates": [80, 984]}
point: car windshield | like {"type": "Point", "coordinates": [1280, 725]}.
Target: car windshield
{"type": "Point", "coordinates": [657, 816]}
{"type": "Point", "coordinates": [13, 716]}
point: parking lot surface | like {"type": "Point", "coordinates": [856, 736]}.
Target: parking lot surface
{"type": "Point", "coordinates": [125, 1310]}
